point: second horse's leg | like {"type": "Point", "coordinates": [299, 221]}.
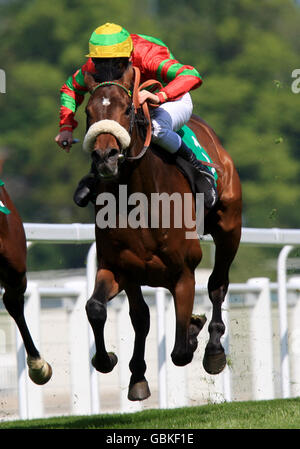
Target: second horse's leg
{"type": "Point", "coordinates": [39, 370]}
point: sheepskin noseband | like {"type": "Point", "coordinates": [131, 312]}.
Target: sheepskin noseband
{"type": "Point", "coordinates": [106, 127]}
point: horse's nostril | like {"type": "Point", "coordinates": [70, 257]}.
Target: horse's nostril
{"type": "Point", "coordinates": [105, 155]}
{"type": "Point", "coordinates": [97, 158]}
{"type": "Point", "coordinates": [114, 152]}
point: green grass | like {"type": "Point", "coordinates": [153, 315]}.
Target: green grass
{"type": "Point", "coordinates": [274, 414]}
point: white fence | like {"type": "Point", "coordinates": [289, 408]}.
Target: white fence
{"type": "Point", "coordinates": [270, 355]}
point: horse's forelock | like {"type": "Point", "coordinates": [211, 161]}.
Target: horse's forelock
{"type": "Point", "coordinates": [108, 69]}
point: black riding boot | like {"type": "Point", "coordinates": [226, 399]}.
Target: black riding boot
{"type": "Point", "coordinates": [211, 195]}
{"type": "Point", "coordinates": [86, 190]}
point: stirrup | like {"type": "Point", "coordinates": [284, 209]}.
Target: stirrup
{"type": "Point", "coordinates": [210, 202]}
{"type": "Point", "coordinates": [202, 169]}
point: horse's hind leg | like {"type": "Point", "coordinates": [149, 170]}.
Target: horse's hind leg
{"type": "Point", "coordinates": [39, 370]}
{"type": "Point", "coordinates": [140, 318]}
{"type": "Point", "coordinates": [106, 287]}
{"type": "Point", "coordinates": [227, 243]}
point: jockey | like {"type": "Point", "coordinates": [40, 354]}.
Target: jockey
{"type": "Point", "coordinates": [112, 45]}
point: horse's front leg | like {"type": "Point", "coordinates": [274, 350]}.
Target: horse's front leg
{"type": "Point", "coordinates": [106, 287]}
{"type": "Point", "coordinates": [140, 318]}
{"type": "Point", "coordinates": [188, 326]}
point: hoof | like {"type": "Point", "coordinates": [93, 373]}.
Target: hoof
{"type": "Point", "coordinates": [106, 367]}
{"type": "Point", "coordinates": [214, 363]}
{"type": "Point", "coordinates": [139, 391]}
{"type": "Point", "coordinates": [182, 359]}
{"type": "Point", "coordinates": [39, 370]}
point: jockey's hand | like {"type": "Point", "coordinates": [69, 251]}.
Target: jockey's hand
{"type": "Point", "coordinates": [64, 136]}
{"type": "Point", "coordinates": [145, 95]}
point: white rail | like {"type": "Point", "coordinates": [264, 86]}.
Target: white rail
{"type": "Point", "coordinates": [85, 233]}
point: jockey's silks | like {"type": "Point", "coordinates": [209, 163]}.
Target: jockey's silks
{"type": "Point", "coordinates": [154, 60]}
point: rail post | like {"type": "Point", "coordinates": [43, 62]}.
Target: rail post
{"type": "Point", "coordinates": [176, 375]}
{"type": "Point", "coordinates": [91, 270]}
{"type": "Point", "coordinates": [294, 340]}
{"type": "Point", "coordinates": [261, 341]}
{"type": "Point", "coordinates": [226, 374]}
{"type": "Point", "coordinates": [79, 344]}
{"type": "Point", "coordinates": [125, 349]}
{"type": "Point", "coordinates": [283, 319]}
{"type": "Point", "coordinates": [161, 344]}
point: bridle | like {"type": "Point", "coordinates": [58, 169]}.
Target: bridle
{"type": "Point", "coordinates": [111, 83]}
{"type": "Point", "coordinates": [136, 108]}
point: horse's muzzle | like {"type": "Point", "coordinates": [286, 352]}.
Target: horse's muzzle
{"type": "Point", "coordinates": [106, 163]}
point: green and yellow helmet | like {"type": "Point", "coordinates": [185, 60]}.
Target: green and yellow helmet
{"type": "Point", "coordinates": [110, 41]}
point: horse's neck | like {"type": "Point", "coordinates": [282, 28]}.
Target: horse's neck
{"type": "Point", "coordinates": [142, 177]}
{"type": "Point", "coordinates": [143, 173]}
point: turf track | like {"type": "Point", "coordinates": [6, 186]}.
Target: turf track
{"type": "Point", "coordinates": [274, 414]}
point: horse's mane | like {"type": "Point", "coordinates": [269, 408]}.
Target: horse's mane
{"type": "Point", "coordinates": [108, 69]}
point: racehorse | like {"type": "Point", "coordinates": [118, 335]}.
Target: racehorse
{"type": "Point", "coordinates": [131, 257]}
{"type": "Point", "coordinates": [14, 282]}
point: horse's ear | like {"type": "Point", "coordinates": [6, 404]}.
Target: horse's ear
{"type": "Point", "coordinates": [128, 77]}
{"type": "Point", "coordinates": [89, 81]}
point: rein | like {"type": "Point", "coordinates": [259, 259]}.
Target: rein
{"type": "Point", "coordinates": [154, 84]}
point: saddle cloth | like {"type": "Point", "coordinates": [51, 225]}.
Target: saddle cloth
{"type": "Point", "coordinates": [3, 208]}
{"type": "Point", "coordinates": [190, 139]}
{"type": "Point", "coordinates": [195, 179]}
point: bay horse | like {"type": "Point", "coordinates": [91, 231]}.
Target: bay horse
{"type": "Point", "coordinates": [13, 279]}
{"type": "Point", "coordinates": [129, 258]}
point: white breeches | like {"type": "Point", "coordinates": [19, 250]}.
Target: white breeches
{"type": "Point", "coordinates": [169, 118]}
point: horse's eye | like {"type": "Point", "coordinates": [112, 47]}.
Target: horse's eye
{"type": "Point", "coordinates": [128, 110]}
